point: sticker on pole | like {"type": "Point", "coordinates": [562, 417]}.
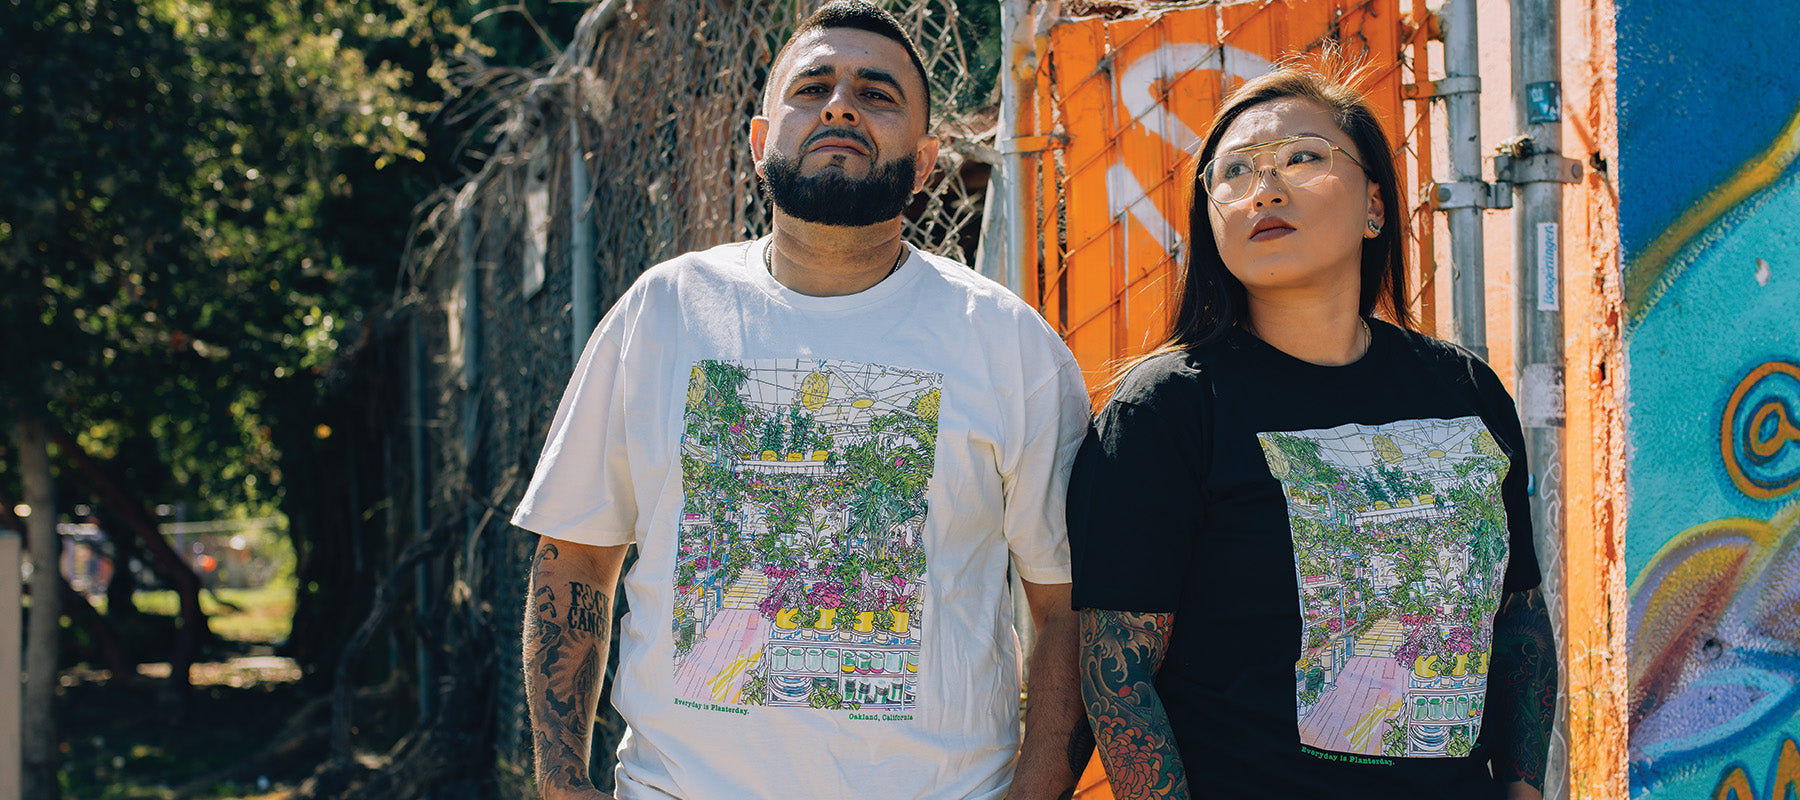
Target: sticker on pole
{"type": "Point", "coordinates": [1548, 279]}
{"type": "Point", "coordinates": [1543, 102]}
{"type": "Point", "coordinates": [1541, 396]}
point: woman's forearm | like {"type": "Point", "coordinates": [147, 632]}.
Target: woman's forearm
{"type": "Point", "coordinates": [1120, 654]}
{"type": "Point", "coordinates": [1522, 685]}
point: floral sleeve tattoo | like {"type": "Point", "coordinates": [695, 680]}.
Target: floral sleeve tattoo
{"type": "Point", "coordinates": [1522, 686]}
{"type": "Point", "coordinates": [1120, 654]}
{"type": "Point", "coordinates": [566, 642]}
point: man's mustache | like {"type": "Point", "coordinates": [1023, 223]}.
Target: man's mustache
{"type": "Point", "coordinates": [839, 133]}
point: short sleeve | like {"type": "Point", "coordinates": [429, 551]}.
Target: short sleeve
{"type": "Point", "coordinates": [1522, 571]}
{"type": "Point", "coordinates": [582, 489]}
{"type": "Point", "coordinates": [1134, 500]}
{"type": "Point", "coordinates": [1037, 487]}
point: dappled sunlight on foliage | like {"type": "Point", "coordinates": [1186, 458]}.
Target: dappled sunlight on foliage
{"type": "Point", "coordinates": [204, 198]}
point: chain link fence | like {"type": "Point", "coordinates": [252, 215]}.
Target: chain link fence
{"type": "Point", "coordinates": [631, 149]}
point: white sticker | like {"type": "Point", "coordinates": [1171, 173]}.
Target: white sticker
{"type": "Point", "coordinates": [1541, 396]}
{"type": "Point", "coordinates": [1548, 281]}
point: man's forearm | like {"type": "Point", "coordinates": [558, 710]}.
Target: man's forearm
{"type": "Point", "coordinates": [1120, 655]}
{"type": "Point", "coordinates": [1058, 741]}
{"type": "Point", "coordinates": [567, 620]}
{"type": "Point", "coordinates": [1522, 687]}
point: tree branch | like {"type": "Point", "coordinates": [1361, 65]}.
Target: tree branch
{"type": "Point", "coordinates": [168, 563]}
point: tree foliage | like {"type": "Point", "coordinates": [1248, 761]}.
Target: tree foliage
{"type": "Point", "coordinates": [203, 199]}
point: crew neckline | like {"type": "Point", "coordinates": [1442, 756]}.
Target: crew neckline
{"type": "Point", "coordinates": [1378, 344]}
{"type": "Point", "coordinates": [909, 271]}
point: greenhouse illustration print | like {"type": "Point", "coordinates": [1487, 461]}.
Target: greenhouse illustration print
{"type": "Point", "coordinates": [1399, 548]}
{"type": "Point", "coordinates": [800, 574]}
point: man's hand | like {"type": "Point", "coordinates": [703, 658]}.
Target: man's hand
{"type": "Point", "coordinates": [568, 621]}
{"type": "Point", "coordinates": [1058, 741]}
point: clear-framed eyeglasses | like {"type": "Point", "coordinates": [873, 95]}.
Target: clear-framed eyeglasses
{"type": "Point", "coordinates": [1299, 160]}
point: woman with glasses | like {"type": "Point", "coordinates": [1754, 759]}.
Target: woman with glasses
{"type": "Point", "coordinates": [1303, 550]}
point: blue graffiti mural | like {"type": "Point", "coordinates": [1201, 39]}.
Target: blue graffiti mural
{"type": "Point", "coordinates": [1709, 199]}
{"type": "Point", "coordinates": [1715, 651]}
{"type": "Point", "coordinates": [1703, 87]}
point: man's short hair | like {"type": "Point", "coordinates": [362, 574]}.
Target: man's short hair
{"type": "Point", "coordinates": [861, 15]}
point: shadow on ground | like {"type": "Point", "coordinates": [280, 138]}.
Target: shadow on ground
{"type": "Point", "coordinates": [132, 739]}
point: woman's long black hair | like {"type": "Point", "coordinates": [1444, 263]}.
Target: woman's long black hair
{"type": "Point", "coordinates": [1212, 300]}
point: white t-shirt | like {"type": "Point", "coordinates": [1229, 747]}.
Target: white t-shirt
{"type": "Point", "coordinates": [824, 492]}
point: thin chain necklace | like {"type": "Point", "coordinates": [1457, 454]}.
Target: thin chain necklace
{"type": "Point", "coordinates": [769, 262]}
{"type": "Point", "coordinates": [1368, 335]}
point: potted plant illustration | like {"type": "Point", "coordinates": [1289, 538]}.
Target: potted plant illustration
{"type": "Point", "coordinates": [826, 596]}
{"type": "Point", "coordinates": [882, 619]}
{"type": "Point", "coordinates": [902, 613]}
{"type": "Point", "coordinates": [1459, 745]}
{"type": "Point", "coordinates": [1393, 740]}
{"type": "Point", "coordinates": [785, 600]}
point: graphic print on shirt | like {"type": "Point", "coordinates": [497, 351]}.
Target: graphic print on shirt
{"type": "Point", "coordinates": [801, 563]}
{"type": "Point", "coordinates": [1399, 549]}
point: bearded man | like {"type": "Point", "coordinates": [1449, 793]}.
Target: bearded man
{"type": "Point", "coordinates": [828, 448]}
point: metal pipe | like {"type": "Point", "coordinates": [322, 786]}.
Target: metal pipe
{"type": "Point", "coordinates": [469, 281]}
{"type": "Point", "coordinates": [1002, 227]}
{"type": "Point", "coordinates": [1539, 172]}
{"type": "Point", "coordinates": [11, 636]}
{"type": "Point", "coordinates": [416, 453]}
{"type": "Point", "coordinates": [1426, 232]}
{"type": "Point", "coordinates": [1462, 108]}
{"type": "Point", "coordinates": [584, 277]}
{"type": "Point", "coordinates": [1006, 202]}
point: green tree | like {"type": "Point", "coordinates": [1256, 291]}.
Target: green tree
{"type": "Point", "coordinates": [203, 198]}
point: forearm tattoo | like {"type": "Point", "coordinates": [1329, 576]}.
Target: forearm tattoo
{"type": "Point", "coordinates": [1523, 686]}
{"type": "Point", "coordinates": [566, 642]}
{"type": "Point", "coordinates": [1120, 654]}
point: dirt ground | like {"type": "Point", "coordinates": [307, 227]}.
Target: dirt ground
{"type": "Point", "coordinates": [132, 739]}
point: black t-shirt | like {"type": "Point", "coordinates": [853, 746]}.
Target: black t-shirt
{"type": "Point", "coordinates": [1333, 543]}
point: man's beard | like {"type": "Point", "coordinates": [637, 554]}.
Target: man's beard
{"type": "Point", "coordinates": [832, 198]}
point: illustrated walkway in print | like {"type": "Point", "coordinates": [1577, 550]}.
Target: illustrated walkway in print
{"type": "Point", "coordinates": [1399, 538]}
{"type": "Point", "coordinates": [734, 638]}
{"type": "Point", "coordinates": [801, 572]}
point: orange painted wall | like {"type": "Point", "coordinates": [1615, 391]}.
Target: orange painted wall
{"type": "Point", "coordinates": [1129, 99]}
{"type": "Point", "coordinates": [1118, 106]}
{"type": "Point", "coordinates": [1594, 642]}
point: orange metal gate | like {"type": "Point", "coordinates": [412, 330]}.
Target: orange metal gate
{"type": "Point", "coordinates": [1111, 122]}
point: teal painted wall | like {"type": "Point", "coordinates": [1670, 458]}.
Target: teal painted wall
{"type": "Point", "coordinates": [1709, 211]}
